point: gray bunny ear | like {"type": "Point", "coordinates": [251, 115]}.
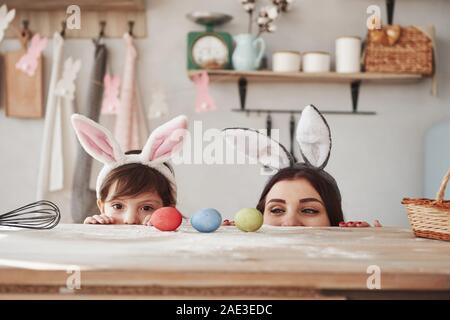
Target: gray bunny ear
{"type": "Point", "coordinates": [258, 147]}
{"type": "Point", "coordinates": [314, 137]}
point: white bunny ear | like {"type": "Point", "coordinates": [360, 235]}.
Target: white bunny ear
{"type": "Point", "coordinates": [165, 140]}
{"type": "Point", "coordinates": [258, 147]}
{"type": "Point", "coordinates": [314, 137]}
{"type": "Point", "coordinates": [96, 140]}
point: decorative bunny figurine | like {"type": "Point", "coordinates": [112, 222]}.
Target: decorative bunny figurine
{"type": "Point", "coordinates": [65, 87]}
{"type": "Point", "coordinates": [313, 137]}
{"type": "Point", "coordinates": [161, 146]}
{"type": "Point", "coordinates": [111, 100]}
{"type": "Point", "coordinates": [29, 61]}
{"type": "Point", "coordinates": [5, 19]}
{"type": "Point", "coordinates": [158, 108]}
{"type": "Point", "coordinates": [203, 101]}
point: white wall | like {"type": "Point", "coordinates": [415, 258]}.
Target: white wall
{"type": "Point", "coordinates": [377, 160]}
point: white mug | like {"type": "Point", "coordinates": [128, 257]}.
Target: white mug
{"type": "Point", "coordinates": [286, 61]}
{"type": "Point", "coordinates": [348, 54]}
{"type": "Point", "coordinates": [316, 61]}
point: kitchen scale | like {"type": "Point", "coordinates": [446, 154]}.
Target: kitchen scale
{"type": "Point", "coordinates": [209, 49]}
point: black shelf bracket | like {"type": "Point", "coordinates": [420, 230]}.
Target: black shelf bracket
{"type": "Point", "coordinates": [390, 5]}
{"type": "Point", "coordinates": [354, 88]}
{"type": "Point", "coordinates": [242, 86]}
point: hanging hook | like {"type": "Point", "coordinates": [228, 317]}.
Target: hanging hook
{"type": "Point", "coordinates": [25, 34]}
{"type": "Point", "coordinates": [292, 132]}
{"type": "Point", "coordinates": [102, 29]}
{"type": "Point", "coordinates": [63, 28]}
{"type": "Point", "coordinates": [269, 124]}
{"type": "Point", "coordinates": [130, 27]}
{"type": "Point", "coordinates": [25, 25]}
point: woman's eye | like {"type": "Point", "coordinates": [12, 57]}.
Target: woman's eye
{"type": "Point", "coordinates": [117, 206]}
{"type": "Point", "coordinates": [276, 211]}
{"type": "Point", "coordinates": [147, 208]}
{"type": "Point", "coordinates": [310, 211]}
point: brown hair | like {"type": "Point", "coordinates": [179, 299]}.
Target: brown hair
{"type": "Point", "coordinates": [133, 179]}
{"type": "Point", "coordinates": [324, 184]}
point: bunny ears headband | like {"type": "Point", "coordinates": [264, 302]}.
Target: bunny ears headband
{"type": "Point", "coordinates": [312, 135]}
{"type": "Point", "coordinates": [161, 145]}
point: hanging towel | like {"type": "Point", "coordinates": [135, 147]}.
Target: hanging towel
{"type": "Point", "coordinates": [130, 122]}
{"type": "Point", "coordinates": [50, 114]}
{"type": "Point", "coordinates": [64, 141]}
{"type": "Point", "coordinates": [83, 198]}
{"type": "Point", "coordinates": [111, 102]}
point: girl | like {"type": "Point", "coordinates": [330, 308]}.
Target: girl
{"type": "Point", "coordinates": [299, 194]}
{"type": "Point", "coordinates": [132, 185]}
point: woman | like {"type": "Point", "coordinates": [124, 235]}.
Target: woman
{"type": "Point", "coordinates": [303, 196]}
{"type": "Point", "coordinates": [299, 194]}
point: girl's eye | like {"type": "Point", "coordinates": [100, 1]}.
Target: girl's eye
{"type": "Point", "coordinates": [277, 211]}
{"type": "Point", "coordinates": [310, 211]}
{"type": "Point", "coordinates": [117, 206]}
{"type": "Point", "coordinates": [147, 208]}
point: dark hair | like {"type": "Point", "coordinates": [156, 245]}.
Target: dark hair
{"type": "Point", "coordinates": [135, 178]}
{"type": "Point", "coordinates": [324, 184]}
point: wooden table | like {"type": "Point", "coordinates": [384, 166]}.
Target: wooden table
{"type": "Point", "coordinates": [275, 262]}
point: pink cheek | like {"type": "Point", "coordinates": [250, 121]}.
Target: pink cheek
{"type": "Point", "coordinates": [118, 218]}
{"type": "Point", "coordinates": [115, 214]}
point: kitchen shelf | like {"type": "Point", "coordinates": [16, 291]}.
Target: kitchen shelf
{"type": "Point", "coordinates": [354, 79]}
{"type": "Point", "coordinates": [333, 77]}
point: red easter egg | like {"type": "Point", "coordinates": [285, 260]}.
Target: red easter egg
{"type": "Point", "coordinates": [166, 219]}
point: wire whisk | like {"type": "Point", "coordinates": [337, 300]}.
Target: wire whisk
{"type": "Point", "coordinates": [41, 214]}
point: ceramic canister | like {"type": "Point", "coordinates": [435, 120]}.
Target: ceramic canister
{"type": "Point", "coordinates": [348, 54]}
{"type": "Point", "coordinates": [316, 61]}
{"type": "Point", "coordinates": [286, 61]}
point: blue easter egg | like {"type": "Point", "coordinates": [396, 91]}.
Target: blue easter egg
{"type": "Point", "coordinates": [206, 220]}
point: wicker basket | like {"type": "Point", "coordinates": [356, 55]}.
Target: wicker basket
{"type": "Point", "coordinates": [412, 53]}
{"type": "Point", "coordinates": [430, 218]}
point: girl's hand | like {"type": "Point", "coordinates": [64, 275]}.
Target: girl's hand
{"type": "Point", "coordinates": [99, 219]}
{"type": "Point", "coordinates": [227, 222]}
{"type": "Point", "coordinates": [359, 224]}
{"type": "Point", "coordinates": [146, 221]}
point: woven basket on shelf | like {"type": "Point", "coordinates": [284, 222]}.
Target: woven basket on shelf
{"type": "Point", "coordinates": [430, 218]}
{"type": "Point", "coordinates": [411, 53]}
